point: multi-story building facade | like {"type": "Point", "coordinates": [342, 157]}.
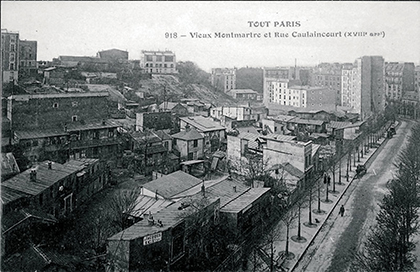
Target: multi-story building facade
{"type": "Point", "coordinates": [417, 78]}
{"type": "Point", "coordinates": [9, 55]}
{"type": "Point", "coordinates": [158, 62]}
{"type": "Point", "coordinates": [55, 110]}
{"type": "Point", "coordinates": [363, 86]}
{"type": "Point", "coordinates": [59, 126]}
{"type": "Point", "coordinates": [284, 92]}
{"type": "Point", "coordinates": [399, 79]}
{"type": "Point", "coordinates": [28, 58]}
{"type": "Point", "coordinates": [223, 79]}
{"type": "Point", "coordinates": [328, 75]}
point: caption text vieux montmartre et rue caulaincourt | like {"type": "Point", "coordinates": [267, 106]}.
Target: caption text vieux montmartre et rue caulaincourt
{"type": "Point", "coordinates": [260, 25]}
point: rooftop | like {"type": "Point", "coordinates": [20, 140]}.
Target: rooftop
{"type": "Point", "coordinates": [45, 177]}
{"type": "Point", "coordinates": [202, 123]}
{"type": "Point", "coordinates": [227, 190]}
{"type": "Point", "coordinates": [244, 201]}
{"type": "Point", "coordinates": [169, 216]}
{"type": "Point", "coordinates": [338, 125]}
{"type": "Point", "coordinates": [145, 204]}
{"type": "Point", "coordinates": [172, 184]}
{"type": "Point", "coordinates": [188, 135]}
{"type": "Point", "coordinates": [26, 97]}
{"type": "Point", "coordinates": [298, 120]}
{"type": "Point", "coordinates": [243, 91]}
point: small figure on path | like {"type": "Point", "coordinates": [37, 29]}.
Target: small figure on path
{"type": "Point", "coordinates": [341, 210]}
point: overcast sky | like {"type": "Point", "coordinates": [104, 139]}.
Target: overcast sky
{"type": "Point", "coordinates": [84, 28]}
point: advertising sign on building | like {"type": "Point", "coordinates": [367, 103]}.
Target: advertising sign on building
{"type": "Point", "coordinates": [153, 238]}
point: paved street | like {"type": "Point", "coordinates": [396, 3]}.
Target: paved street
{"type": "Point", "coordinates": [338, 236]}
{"type": "Point", "coordinates": [332, 249]}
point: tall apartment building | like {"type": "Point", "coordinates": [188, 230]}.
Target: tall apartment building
{"type": "Point", "coordinates": [328, 75]}
{"type": "Point", "coordinates": [417, 78]}
{"type": "Point", "coordinates": [158, 62]}
{"type": "Point", "coordinates": [287, 93]}
{"type": "Point", "coordinates": [363, 86]}
{"type": "Point", "coordinates": [28, 57]}
{"type": "Point", "coordinates": [273, 74]}
{"type": "Point", "coordinates": [399, 79]}
{"type": "Point", "coordinates": [9, 55]}
{"type": "Point", "coordinates": [223, 78]}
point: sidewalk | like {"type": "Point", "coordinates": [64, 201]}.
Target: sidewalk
{"type": "Point", "coordinates": [308, 232]}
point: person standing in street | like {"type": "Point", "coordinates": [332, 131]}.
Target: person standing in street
{"type": "Point", "coordinates": [341, 210]}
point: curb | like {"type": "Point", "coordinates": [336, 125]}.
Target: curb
{"type": "Point", "coordinates": [367, 163]}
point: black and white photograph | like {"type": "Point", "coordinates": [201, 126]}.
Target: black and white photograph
{"type": "Point", "coordinates": [207, 136]}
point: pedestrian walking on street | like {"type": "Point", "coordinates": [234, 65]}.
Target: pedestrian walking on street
{"type": "Point", "coordinates": [341, 210]}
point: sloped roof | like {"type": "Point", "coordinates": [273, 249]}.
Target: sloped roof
{"type": "Point", "coordinates": [338, 125]}
{"type": "Point", "coordinates": [8, 164]}
{"type": "Point", "coordinates": [288, 168]}
{"type": "Point", "coordinates": [225, 190]}
{"type": "Point", "coordinates": [251, 129]}
{"type": "Point", "coordinates": [36, 134]}
{"type": "Point", "coordinates": [298, 120]}
{"type": "Point", "coordinates": [163, 135]}
{"type": "Point", "coordinates": [94, 124]}
{"type": "Point", "coordinates": [245, 200]}
{"type": "Point", "coordinates": [279, 137]}
{"type": "Point", "coordinates": [202, 123]}
{"type": "Point", "coordinates": [9, 195]}
{"type": "Point", "coordinates": [242, 91]}
{"type": "Point", "coordinates": [14, 219]}
{"type": "Point", "coordinates": [22, 97]}
{"type": "Point", "coordinates": [45, 177]}
{"type": "Point", "coordinates": [146, 204]}
{"type": "Point", "coordinates": [172, 184]}
{"type": "Point", "coordinates": [283, 118]}
{"type": "Point", "coordinates": [188, 135]}
{"type": "Point", "coordinates": [170, 217]}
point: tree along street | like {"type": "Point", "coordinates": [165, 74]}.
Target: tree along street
{"type": "Point", "coordinates": [333, 249]}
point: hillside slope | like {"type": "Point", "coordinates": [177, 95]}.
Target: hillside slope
{"type": "Point", "coordinates": [170, 88]}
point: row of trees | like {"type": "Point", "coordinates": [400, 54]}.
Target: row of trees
{"type": "Point", "coordinates": [389, 246]}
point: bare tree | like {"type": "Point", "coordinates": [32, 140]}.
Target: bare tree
{"type": "Point", "coordinates": [122, 204]}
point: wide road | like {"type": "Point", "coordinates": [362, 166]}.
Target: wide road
{"type": "Point", "coordinates": [332, 249]}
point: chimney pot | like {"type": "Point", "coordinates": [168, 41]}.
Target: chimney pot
{"type": "Point", "coordinates": [32, 175]}
{"type": "Point", "coordinates": [234, 189]}
{"type": "Point", "coordinates": [49, 165]}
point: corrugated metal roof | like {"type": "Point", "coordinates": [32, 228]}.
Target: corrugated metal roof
{"type": "Point", "coordinates": [172, 184]}
{"type": "Point", "coordinates": [245, 200]}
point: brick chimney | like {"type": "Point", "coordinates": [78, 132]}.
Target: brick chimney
{"type": "Point", "coordinates": [32, 175]}
{"type": "Point", "coordinates": [49, 165]}
{"type": "Point", "coordinates": [234, 189]}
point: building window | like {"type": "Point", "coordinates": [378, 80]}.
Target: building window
{"type": "Point", "coordinates": [195, 143]}
{"type": "Point", "coordinates": [74, 118]}
{"type": "Point", "coordinates": [55, 105]}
